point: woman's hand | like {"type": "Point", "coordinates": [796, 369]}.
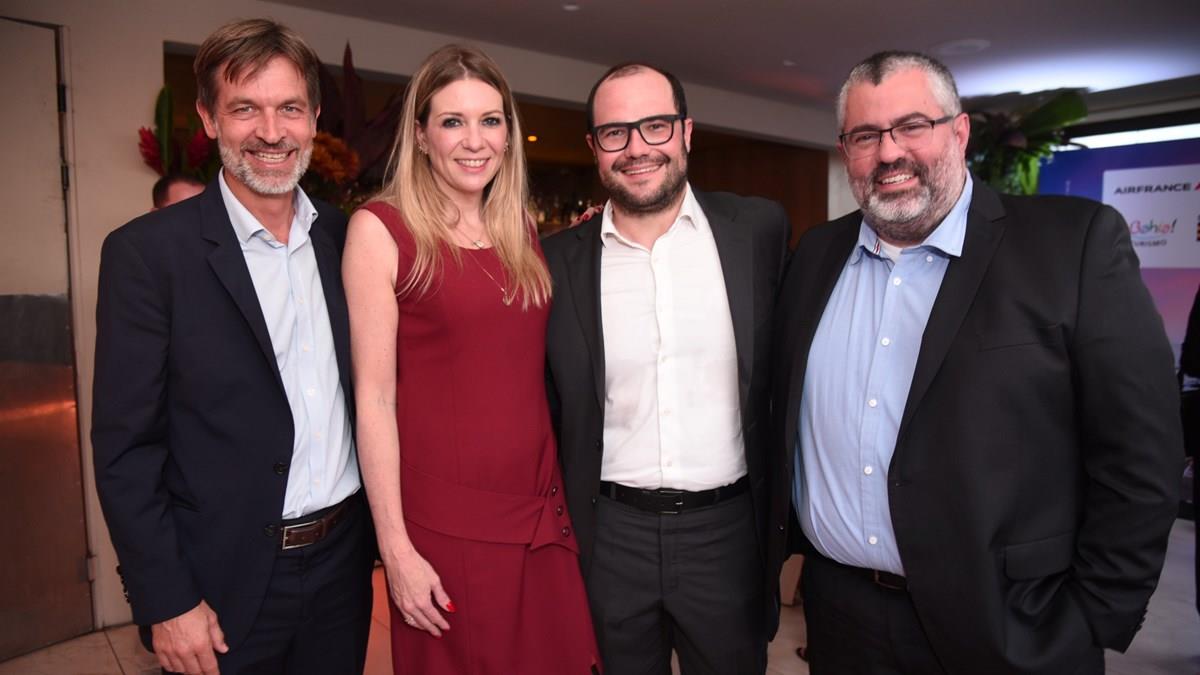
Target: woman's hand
{"type": "Point", "coordinates": [415, 588]}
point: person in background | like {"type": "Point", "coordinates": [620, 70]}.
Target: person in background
{"type": "Point", "coordinates": [448, 296]}
{"type": "Point", "coordinates": [222, 424]}
{"type": "Point", "coordinates": [173, 188]}
{"type": "Point", "coordinates": [978, 402]}
{"type": "Point", "coordinates": [657, 370]}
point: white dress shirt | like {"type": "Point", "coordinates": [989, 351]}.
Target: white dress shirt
{"type": "Point", "coordinates": [323, 469]}
{"type": "Point", "coordinates": [671, 413]}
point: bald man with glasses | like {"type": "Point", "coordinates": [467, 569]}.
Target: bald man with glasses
{"type": "Point", "coordinates": [657, 345]}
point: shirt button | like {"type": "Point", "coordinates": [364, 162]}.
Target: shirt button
{"type": "Point", "coordinates": [271, 530]}
{"type": "Point", "coordinates": [311, 391]}
{"type": "Point", "coordinates": [280, 468]}
{"type": "Point", "coordinates": [307, 348]}
{"type": "Point", "coordinates": [317, 435]}
{"type": "Point", "coordinates": [872, 540]}
{"type": "Point", "coordinates": [558, 511]}
{"type": "Point", "coordinates": [868, 470]}
{"type": "Point", "coordinates": [553, 490]}
{"type": "Point", "coordinates": [666, 412]}
{"type": "Point", "coordinates": [566, 532]}
{"type": "Point", "coordinates": [928, 258]}
{"type": "Point", "coordinates": [872, 403]}
{"type": "Point", "coordinates": [896, 281]}
{"type": "Point", "coordinates": [885, 341]}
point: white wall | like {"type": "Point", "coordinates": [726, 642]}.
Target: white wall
{"type": "Point", "coordinates": [841, 200]}
{"type": "Point", "coordinates": [113, 64]}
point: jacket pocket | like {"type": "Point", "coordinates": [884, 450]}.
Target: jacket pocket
{"type": "Point", "coordinates": [1041, 558]}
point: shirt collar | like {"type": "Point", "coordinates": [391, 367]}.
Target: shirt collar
{"type": "Point", "coordinates": [947, 237]}
{"type": "Point", "coordinates": [690, 214]}
{"type": "Point", "coordinates": [245, 225]}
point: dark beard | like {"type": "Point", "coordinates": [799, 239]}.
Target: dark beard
{"type": "Point", "coordinates": [673, 185]}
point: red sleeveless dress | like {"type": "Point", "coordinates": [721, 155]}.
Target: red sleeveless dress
{"type": "Point", "coordinates": [480, 482]}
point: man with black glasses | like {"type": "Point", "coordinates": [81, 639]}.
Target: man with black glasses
{"type": "Point", "coordinates": [657, 346]}
{"type": "Point", "coordinates": [976, 401]}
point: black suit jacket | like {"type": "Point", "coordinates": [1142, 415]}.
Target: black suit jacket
{"type": "Point", "coordinates": [191, 428]}
{"type": "Point", "coordinates": [751, 236]}
{"type": "Point", "coordinates": [1035, 475]}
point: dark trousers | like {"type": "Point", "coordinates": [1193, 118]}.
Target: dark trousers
{"type": "Point", "coordinates": [691, 582]}
{"type": "Point", "coordinates": [316, 615]}
{"type": "Point", "coordinates": [856, 627]}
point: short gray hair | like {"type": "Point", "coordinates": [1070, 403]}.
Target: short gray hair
{"type": "Point", "coordinates": [881, 65]}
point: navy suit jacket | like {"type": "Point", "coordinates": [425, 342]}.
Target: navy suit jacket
{"type": "Point", "coordinates": [191, 429]}
{"type": "Point", "coordinates": [1036, 473]}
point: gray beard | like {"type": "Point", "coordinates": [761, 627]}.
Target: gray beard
{"type": "Point", "coordinates": [909, 218]}
{"type": "Point", "coordinates": [264, 183]}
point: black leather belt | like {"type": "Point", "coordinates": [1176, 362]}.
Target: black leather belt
{"type": "Point", "coordinates": [667, 501]}
{"type": "Point", "coordinates": [888, 580]}
{"type": "Point", "coordinates": [308, 530]}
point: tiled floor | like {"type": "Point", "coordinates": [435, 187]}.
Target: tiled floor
{"type": "Point", "coordinates": [1169, 643]}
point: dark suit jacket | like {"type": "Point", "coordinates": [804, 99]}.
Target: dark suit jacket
{"type": "Point", "coordinates": [1036, 473]}
{"type": "Point", "coordinates": [751, 236]}
{"type": "Point", "coordinates": [191, 428]}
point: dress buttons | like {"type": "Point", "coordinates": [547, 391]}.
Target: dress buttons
{"type": "Point", "coordinates": [558, 511]}
{"type": "Point", "coordinates": [594, 500]}
{"type": "Point", "coordinates": [280, 468]}
{"type": "Point", "coordinates": [271, 530]}
{"type": "Point", "coordinates": [868, 470]}
{"type": "Point", "coordinates": [872, 540]}
{"type": "Point", "coordinates": [566, 532]}
{"type": "Point", "coordinates": [553, 490]}
{"type": "Point", "coordinates": [780, 528]}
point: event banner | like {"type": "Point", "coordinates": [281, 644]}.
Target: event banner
{"type": "Point", "coordinates": [1161, 204]}
{"type": "Point", "coordinates": [1156, 187]}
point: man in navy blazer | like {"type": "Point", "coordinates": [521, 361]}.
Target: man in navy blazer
{"type": "Point", "coordinates": [222, 428]}
{"type": "Point", "coordinates": [975, 407]}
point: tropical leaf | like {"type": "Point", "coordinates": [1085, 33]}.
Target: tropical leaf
{"type": "Point", "coordinates": [1050, 117]}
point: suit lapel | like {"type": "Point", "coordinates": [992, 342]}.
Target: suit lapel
{"type": "Point", "coordinates": [583, 274]}
{"type": "Point", "coordinates": [963, 276]}
{"type": "Point", "coordinates": [330, 269]}
{"type": "Point", "coordinates": [737, 266]}
{"type": "Point", "coordinates": [229, 265]}
{"type": "Point", "coordinates": [811, 307]}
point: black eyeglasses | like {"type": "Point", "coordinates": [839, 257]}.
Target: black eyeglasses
{"type": "Point", "coordinates": [910, 136]}
{"type": "Point", "coordinates": [655, 130]}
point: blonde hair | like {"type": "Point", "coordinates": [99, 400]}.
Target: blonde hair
{"type": "Point", "coordinates": [411, 188]}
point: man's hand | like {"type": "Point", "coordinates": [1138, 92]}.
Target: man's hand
{"type": "Point", "coordinates": [186, 644]}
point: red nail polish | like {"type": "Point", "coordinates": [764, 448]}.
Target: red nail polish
{"type": "Point", "coordinates": [450, 606]}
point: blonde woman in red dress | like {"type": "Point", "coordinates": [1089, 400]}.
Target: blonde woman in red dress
{"type": "Point", "coordinates": [448, 296]}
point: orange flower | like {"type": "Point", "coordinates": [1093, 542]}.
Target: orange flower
{"type": "Point", "coordinates": [333, 160]}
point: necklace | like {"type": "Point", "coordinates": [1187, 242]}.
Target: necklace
{"type": "Point", "coordinates": [478, 244]}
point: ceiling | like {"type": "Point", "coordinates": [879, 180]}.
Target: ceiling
{"type": "Point", "coordinates": [798, 52]}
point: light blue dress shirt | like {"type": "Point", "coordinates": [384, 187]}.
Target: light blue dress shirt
{"type": "Point", "coordinates": [860, 368]}
{"type": "Point", "coordinates": [323, 467]}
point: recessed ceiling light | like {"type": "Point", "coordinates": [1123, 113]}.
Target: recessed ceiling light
{"type": "Point", "coordinates": [789, 63]}
{"type": "Point", "coordinates": [962, 47]}
{"type": "Point", "coordinates": [531, 138]}
{"type": "Point", "coordinates": [571, 7]}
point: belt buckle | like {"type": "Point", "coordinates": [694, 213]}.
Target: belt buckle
{"type": "Point", "coordinates": [678, 501]}
{"type": "Point", "coordinates": [284, 546]}
{"type": "Point", "coordinates": [880, 581]}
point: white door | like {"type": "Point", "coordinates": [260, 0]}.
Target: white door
{"type": "Point", "coordinates": [45, 595]}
